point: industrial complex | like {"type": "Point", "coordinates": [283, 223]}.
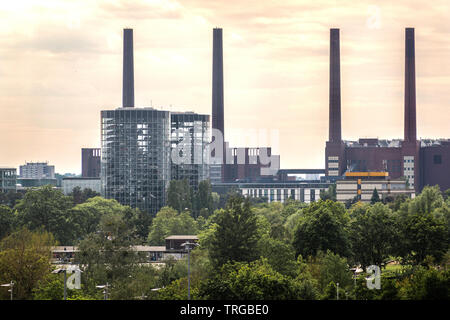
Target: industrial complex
{"type": "Point", "coordinates": [142, 149]}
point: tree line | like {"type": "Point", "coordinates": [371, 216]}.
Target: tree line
{"type": "Point", "coordinates": [247, 249]}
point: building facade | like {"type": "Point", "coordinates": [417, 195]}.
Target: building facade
{"type": "Point", "coordinates": [37, 170]}
{"type": "Point", "coordinates": [421, 162]}
{"type": "Point", "coordinates": [68, 184]}
{"type": "Point", "coordinates": [190, 136]}
{"type": "Point", "coordinates": [8, 179]}
{"type": "Point", "coordinates": [361, 185]}
{"type": "Point", "coordinates": [135, 161]}
{"type": "Point", "coordinates": [303, 191]}
{"type": "Point", "coordinates": [90, 162]}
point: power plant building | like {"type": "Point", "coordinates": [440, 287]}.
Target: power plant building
{"type": "Point", "coordinates": [420, 163]}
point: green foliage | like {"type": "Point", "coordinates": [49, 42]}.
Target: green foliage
{"type": "Point", "coordinates": [329, 194]}
{"type": "Point", "coordinates": [426, 284]}
{"type": "Point", "coordinates": [46, 207]}
{"type": "Point", "coordinates": [249, 281]}
{"type": "Point", "coordinates": [106, 256]}
{"type": "Point", "coordinates": [423, 227]}
{"type": "Point", "coordinates": [25, 259]}
{"type": "Point", "coordinates": [203, 202]}
{"type": "Point", "coordinates": [372, 234]}
{"type": "Point", "coordinates": [280, 255]}
{"type": "Point", "coordinates": [235, 237]}
{"type": "Point", "coordinates": [6, 221]}
{"type": "Point", "coordinates": [10, 198]}
{"type": "Point", "coordinates": [323, 226]}
{"type": "Point", "coordinates": [80, 196]}
{"type": "Point", "coordinates": [179, 195]}
{"type": "Point", "coordinates": [375, 197]}
{"type": "Point", "coordinates": [169, 222]}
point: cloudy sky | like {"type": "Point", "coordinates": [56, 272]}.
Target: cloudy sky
{"type": "Point", "coordinates": [61, 64]}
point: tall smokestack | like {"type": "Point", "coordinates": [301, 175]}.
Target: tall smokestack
{"type": "Point", "coordinates": [128, 72]}
{"type": "Point", "coordinates": [335, 88]}
{"type": "Point", "coordinates": [217, 82]}
{"type": "Point", "coordinates": [410, 87]}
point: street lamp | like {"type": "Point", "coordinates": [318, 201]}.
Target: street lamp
{"type": "Point", "coordinates": [64, 270]}
{"type": "Point", "coordinates": [11, 285]}
{"type": "Point", "coordinates": [105, 292]}
{"type": "Point", "coordinates": [337, 291]}
{"type": "Point", "coordinates": [189, 246]}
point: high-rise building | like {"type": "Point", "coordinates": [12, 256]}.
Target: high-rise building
{"type": "Point", "coordinates": [190, 135]}
{"type": "Point", "coordinates": [139, 146]}
{"type": "Point", "coordinates": [135, 164]}
{"type": "Point", "coordinates": [90, 162]}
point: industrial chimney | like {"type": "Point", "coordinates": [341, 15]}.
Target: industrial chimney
{"type": "Point", "coordinates": [410, 87]}
{"type": "Point", "coordinates": [217, 82]}
{"type": "Point", "coordinates": [128, 73]}
{"type": "Point", "coordinates": [335, 88]}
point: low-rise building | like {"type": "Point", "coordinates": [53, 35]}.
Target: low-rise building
{"type": "Point", "coordinates": [362, 185]}
{"type": "Point", "coordinates": [172, 249]}
{"type": "Point", "coordinates": [281, 191]}
{"type": "Point", "coordinates": [70, 183]}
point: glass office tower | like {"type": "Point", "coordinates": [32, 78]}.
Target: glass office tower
{"type": "Point", "coordinates": [135, 158]}
{"type": "Point", "coordinates": [190, 135]}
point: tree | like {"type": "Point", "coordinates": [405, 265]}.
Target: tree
{"type": "Point", "coordinates": [248, 281]}
{"type": "Point", "coordinates": [280, 255]}
{"type": "Point", "coordinates": [25, 258]}
{"type": "Point", "coordinates": [372, 234]}
{"type": "Point", "coordinates": [424, 227]}
{"type": "Point", "coordinates": [329, 194]}
{"type": "Point", "coordinates": [169, 222]}
{"type": "Point", "coordinates": [375, 197]}
{"type": "Point", "coordinates": [48, 208]}
{"type": "Point", "coordinates": [107, 256]}
{"type": "Point", "coordinates": [80, 196]}
{"type": "Point", "coordinates": [235, 233]}
{"type": "Point", "coordinates": [85, 217]}
{"type": "Point", "coordinates": [323, 226]}
{"type": "Point", "coordinates": [179, 195]}
{"type": "Point", "coordinates": [10, 198]}
{"type": "Point", "coordinates": [203, 200]}
{"type": "Point", "coordinates": [333, 268]}
{"type": "Point", "coordinates": [422, 235]}
{"type": "Point", "coordinates": [6, 221]}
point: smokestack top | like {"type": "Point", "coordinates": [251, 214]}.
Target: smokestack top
{"type": "Point", "coordinates": [410, 87]}
{"type": "Point", "coordinates": [335, 88]}
{"type": "Point", "coordinates": [217, 82]}
{"type": "Point", "coordinates": [128, 69]}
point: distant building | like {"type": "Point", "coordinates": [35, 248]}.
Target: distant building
{"type": "Point", "coordinates": [8, 179]}
{"type": "Point", "coordinates": [190, 135]}
{"type": "Point", "coordinates": [135, 165]}
{"type": "Point", "coordinates": [361, 185]}
{"type": "Point", "coordinates": [27, 183]}
{"type": "Point", "coordinates": [422, 162]}
{"type": "Point", "coordinates": [90, 162]}
{"type": "Point", "coordinates": [37, 170]}
{"type": "Point", "coordinates": [172, 249]}
{"type": "Point", "coordinates": [68, 184]}
{"type": "Point", "coordinates": [281, 191]}
{"type": "Point", "coordinates": [142, 149]}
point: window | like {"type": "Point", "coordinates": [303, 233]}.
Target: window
{"type": "Point", "coordinates": [437, 159]}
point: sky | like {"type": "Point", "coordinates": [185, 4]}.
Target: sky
{"type": "Point", "coordinates": [61, 64]}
